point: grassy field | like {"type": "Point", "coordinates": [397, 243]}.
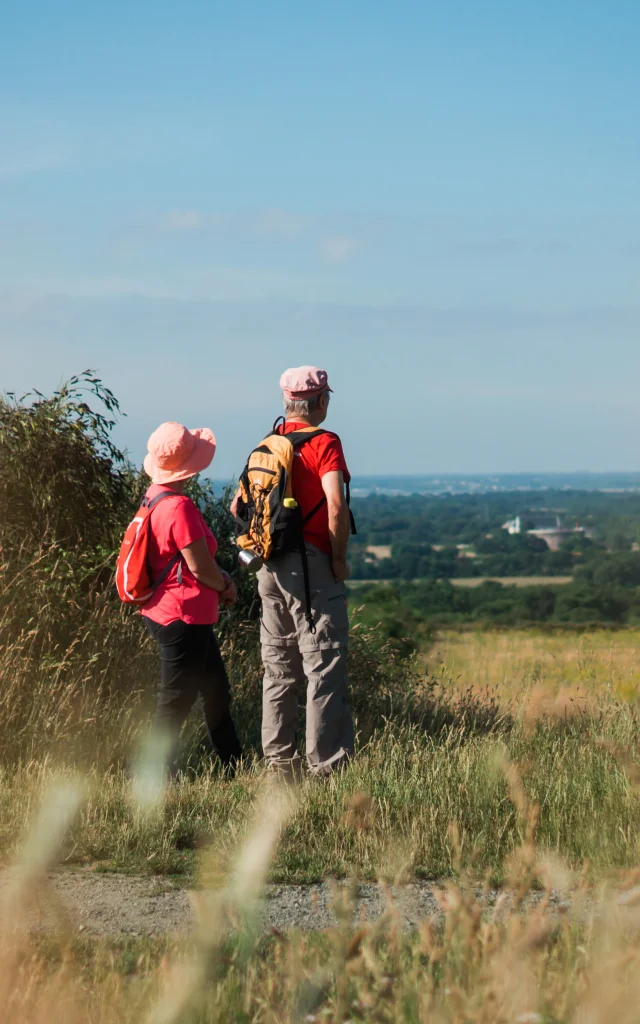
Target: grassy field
{"type": "Point", "coordinates": [435, 735]}
{"type": "Point", "coordinates": [519, 967]}
{"type": "Point", "coordinates": [415, 787]}
{"type": "Point", "coordinates": [540, 671]}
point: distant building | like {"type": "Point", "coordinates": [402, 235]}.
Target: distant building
{"type": "Point", "coordinates": [548, 527]}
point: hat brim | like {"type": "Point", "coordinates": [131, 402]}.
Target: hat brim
{"type": "Point", "coordinates": [200, 459]}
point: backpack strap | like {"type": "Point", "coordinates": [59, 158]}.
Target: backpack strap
{"type": "Point", "coordinates": [351, 519]}
{"type": "Point", "coordinates": [297, 437]}
{"type": "Point", "coordinates": [316, 508]}
{"type": "Point", "coordinates": [322, 502]}
{"type": "Point", "coordinates": [151, 503]}
{"type": "Point", "coordinates": [307, 586]}
{"type": "Point", "coordinates": [177, 559]}
{"type": "Point", "coordinates": [300, 437]}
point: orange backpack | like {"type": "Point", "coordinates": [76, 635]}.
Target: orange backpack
{"type": "Point", "coordinates": [133, 575]}
{"type": "Point", "coordinates": [269, 519]}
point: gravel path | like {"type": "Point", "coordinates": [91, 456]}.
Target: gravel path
{"type": "Point", "coordinates": [109, 904]}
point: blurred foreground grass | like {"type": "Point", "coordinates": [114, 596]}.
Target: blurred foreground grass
{"type": "Point", "coordinates": [525, 969]}
{"type": "Point", "coordinates": [512, 963]}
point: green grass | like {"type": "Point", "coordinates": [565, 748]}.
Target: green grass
{"type": "Point", "coordinates": [581, 773]}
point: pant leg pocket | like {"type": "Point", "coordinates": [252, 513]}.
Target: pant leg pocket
{"type": "Point", "coordinates": [276, 625]}
{"type": "Point", "coordinates": [330, 617]}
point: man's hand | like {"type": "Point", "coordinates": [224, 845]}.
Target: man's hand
{"type": "Point", "coordinates": [341, 570]}
{"type": "Point", "coordinates": [229, 596]}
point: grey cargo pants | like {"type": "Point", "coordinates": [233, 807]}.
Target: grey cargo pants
{"type": "Point", "coordinates": [292, 654]}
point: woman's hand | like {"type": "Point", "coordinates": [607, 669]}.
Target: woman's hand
{"type": "Point", "coordinates": [230, 595]}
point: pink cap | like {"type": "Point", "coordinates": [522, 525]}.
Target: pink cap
{"type": "Point", "coordinates": [175, 453]}
{"type": "Point", "coordinates": [303, 381]}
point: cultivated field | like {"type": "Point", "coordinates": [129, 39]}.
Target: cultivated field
{"type": "Point", "coordinates": [379, 550]}
{"type": "Point", "coordinates": [512, 581]}
{"type": "Point", "coordinates": [477, 581]}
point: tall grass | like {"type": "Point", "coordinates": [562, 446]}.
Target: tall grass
{"type": "Point", "coordinates": [582, 775]}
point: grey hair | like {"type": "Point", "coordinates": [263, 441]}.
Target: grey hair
{"type": "Point", "coordinates": [303, 406]}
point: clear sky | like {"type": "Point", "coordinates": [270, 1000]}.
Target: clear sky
{"type": "Point", "coordinates": [437, 201]}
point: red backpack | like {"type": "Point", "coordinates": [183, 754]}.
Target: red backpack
{"type": "Point", "coordinates": [133, 576]}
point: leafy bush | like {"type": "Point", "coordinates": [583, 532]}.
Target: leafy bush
{"type": "Point", "coordinates": [62, 480]}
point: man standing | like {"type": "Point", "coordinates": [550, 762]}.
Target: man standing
{"type": "Point", "coordinates": [291, 652]}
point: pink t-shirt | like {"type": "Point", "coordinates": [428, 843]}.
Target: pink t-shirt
{"type": "Point", "coordinates": [175, 523]}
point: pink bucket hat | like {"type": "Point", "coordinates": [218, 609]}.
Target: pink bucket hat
{"type": "Point", "coordinates": [303, 381]}
{"type": "Point", "coordinates": [175, 453]}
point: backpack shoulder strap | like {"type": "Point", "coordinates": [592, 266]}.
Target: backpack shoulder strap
{"type": "Point", "coordinates": [322, 501]}
{"type": "Point", "coordinates": [300, 437]}
{"type": "Point", "coordinates": [351, 517]}
{"type": "Point", "coordinates": [151, 503]}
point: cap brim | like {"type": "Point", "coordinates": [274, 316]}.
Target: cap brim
{"type": "Point", "coordinates": [301, 396]}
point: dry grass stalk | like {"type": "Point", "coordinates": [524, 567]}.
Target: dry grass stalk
{"type": "Point", "coordinates": [236, 907]}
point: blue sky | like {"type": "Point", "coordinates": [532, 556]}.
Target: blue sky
{"type": "Point", "coordinates": [438, 202]}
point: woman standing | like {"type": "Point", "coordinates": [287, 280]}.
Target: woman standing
{"type": "Point", "coordinates": [183, 609]}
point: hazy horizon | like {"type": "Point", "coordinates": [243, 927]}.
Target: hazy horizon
{"type": "Point", "coordinates": [481, 483]}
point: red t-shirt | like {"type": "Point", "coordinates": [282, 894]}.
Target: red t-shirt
{"type": "Point", "coordinates": [175, 523]}
{"type": "Point", "coordinates": [322, 454]}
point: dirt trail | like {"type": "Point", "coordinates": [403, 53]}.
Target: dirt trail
{"type": "Point", "coordinates": [109, 904]}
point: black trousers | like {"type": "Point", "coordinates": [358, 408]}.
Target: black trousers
{"type": "Point", "coordinates": [192, 668]}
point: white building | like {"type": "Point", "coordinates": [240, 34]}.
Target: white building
{"type": "Point", "coordinates": [548, 527]}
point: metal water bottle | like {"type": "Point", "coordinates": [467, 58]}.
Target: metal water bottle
{"type": "Point", "coordinates": [249, 560]}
